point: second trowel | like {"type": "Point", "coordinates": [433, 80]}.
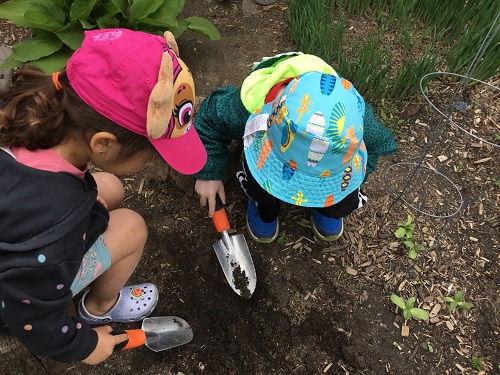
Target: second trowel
{"type": "Point", "coordinates": [234, 255]}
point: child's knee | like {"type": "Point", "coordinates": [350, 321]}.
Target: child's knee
{"type": "Point", "coordinates": [129, 230]}
{"type": "Point", "coordinates": [110, 188]}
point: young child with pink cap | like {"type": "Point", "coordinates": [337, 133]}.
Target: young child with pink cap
{"type": "Point", "coordinates": [309, 140]}
{"type": "Point", "coordinates": [124, 97]}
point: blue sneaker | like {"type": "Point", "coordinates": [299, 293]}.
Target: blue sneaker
{"type": "Point", "coordinates": [259, 230]}
{"type": "Point", "coordinates": [326, 228]}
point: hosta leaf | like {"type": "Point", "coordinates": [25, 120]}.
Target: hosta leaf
{"type": "Point", "coordinates": [163, 23]}
{"type": "Point", "coordinates": [143, 8]}
{"type": "Point", "coordinates": [80, 9]}
{"type": "Point", "coordinates": [72, 35]}
{"type": "Point", "coordinates": [419, 313]}
{"type": "Point", "coordinates": [179, 29]}
{"type": "Point", "coordinates": [163, 17]}
{"type": "Point", "coordinates": [32, 49]}
{"type": "Point", "coordinates": [87, 25]}
{"type": "Point", "coordinates": [122, 6]}
{"type": "Point", "coordinates": [108, 23]}
{"type": "Point", "coordinates": [398, 301]}
{"type": "Point", "coordinates": [54, 62]}
{"type": "Point", "coordinates": [11, 62]}
{"type": "Point", "coordinates": [203, 26]}
{"type": "Point", "coordinates": [59, 3]}
{"type": "Point", "coordinates": [44, 18]}
{"type": "Point", "coordinates": [14, 11]}
{"type": "Point", "coordinates": [173, 7]}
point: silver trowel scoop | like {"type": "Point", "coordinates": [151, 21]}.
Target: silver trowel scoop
{"type": "Point", "coordinates": [234, 255]}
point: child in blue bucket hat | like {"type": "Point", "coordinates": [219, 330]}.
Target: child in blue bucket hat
{"type": "Point", "coordinates": [309, 140]}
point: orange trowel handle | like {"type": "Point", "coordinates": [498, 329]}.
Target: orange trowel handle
{"type": "Point", "coordinates": [220, 218]}
{"type": "Point", "coordinates": [136, 337]}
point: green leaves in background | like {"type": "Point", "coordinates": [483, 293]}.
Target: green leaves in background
{"type": "Point", "coordinates": [58, 25]}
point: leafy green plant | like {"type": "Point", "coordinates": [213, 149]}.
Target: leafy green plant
{"type": "Point", "coordinates": [456, 302]}
{"type": "Point", "coordinates": [389, 116]}
{"type": "Point", "coordinates": [405, 231]}
{"type": "Point", "coordinates": [477, 363]}
{"type": "Point", "coordinates": [408, 309]}
{"type": "Point", "coordinates": [58, 25]}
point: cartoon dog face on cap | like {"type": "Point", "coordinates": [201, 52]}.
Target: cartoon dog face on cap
{"type": "Point", "coordinates": [171, 103]}
{"type": "Point", "coordinates": [183, 106]}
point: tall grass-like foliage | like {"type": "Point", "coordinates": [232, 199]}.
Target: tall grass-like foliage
{"type": "Point", "coordinates": [385, 47]}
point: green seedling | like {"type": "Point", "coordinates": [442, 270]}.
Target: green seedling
{"type": "Point", "coordinates": [397, 345]}
{"type": "Point", "coordinates": [496, 181]}
{"type": "Point", "coordinates": [408, 309]}
{"type": "Point", "coordinates": [430, 347]}
{"type": "Point", "coordinates": [413, 247]}
{"type": "Point", "coordinates": [456, 302]}
{"type": "Point", "coordinates": [405, 231]}
{"type": "Point", "coordinates": [477, 363]}
{"type": "Point", "coordinates": [283, 238]}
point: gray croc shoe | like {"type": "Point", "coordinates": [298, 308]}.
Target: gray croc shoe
{"type": "Point", "coordinates": [135, 303]}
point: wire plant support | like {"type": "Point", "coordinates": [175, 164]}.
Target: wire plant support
{"type": "Point", "coordinates": [415, 182]}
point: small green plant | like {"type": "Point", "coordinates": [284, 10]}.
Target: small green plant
{"type": "Point", "coordinates": [389, 116]}
{"type": "Point", "coordinates": [405, 231]}
{"type": "Point", "coordinates": [397, 345]}
{"type": "Point", "coordinates": [430, 348]}
{"type": "Point", "coordinates": [477, 363]}
{"type": "Point", "coordinates": [283, 238]}
{"type": "Point", "coordinates": [408, 309]}
{"type": "Point", "coordinates": [58, 25]}
{"type": "Point", "coordinates": [496, 181]}
{"type": "Point", "coordinates": [456, 302]}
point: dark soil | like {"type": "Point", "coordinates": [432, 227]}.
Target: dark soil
{"type": "Point", "coordinates": [324, 308]}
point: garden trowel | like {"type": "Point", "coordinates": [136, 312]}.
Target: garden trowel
{"type": "Point", "coordinates": [233, 254]}
{"type": "Point", "coordinates": [157, 333]}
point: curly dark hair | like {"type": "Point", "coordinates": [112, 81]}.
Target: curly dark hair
{"type": "Point", "coordinates": [35, 115]}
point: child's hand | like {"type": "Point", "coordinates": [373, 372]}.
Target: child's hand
{"type": "Point", "coordinates": [105, 345]}
{"type": "Point", "coordinates": [207, 189]}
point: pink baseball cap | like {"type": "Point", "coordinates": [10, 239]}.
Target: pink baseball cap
{"type": "Point", "coordinates": [115, 72]}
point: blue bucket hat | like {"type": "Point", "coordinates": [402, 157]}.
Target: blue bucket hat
{"type": "Point", "coordinates": [306, 147]}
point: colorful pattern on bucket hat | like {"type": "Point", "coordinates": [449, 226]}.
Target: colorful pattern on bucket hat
{"type": "Point", "coordinates": [306, 147]}
{"type": "Point", "coordinates": [137, 80]}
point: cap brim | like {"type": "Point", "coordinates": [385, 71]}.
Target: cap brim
{"type": "Point", "coordinates": [185, 154]}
